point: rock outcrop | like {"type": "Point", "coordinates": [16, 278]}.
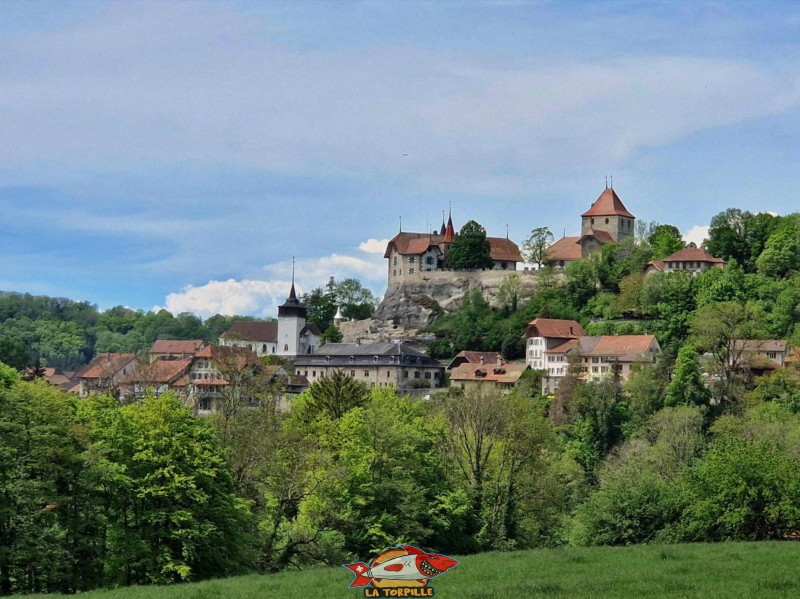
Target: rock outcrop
{"type": "Point", "coordinates": [412, 305]}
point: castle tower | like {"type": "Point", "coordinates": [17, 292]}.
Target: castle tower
{"type": "Point", "coordinates": [291, 322]}
{"type": "Point", "coordinates": [608, 214]}
{"type": "Point", "coordinates": [339, 318]}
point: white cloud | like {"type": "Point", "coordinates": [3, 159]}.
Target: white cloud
{"type": "Point", "coordinates": [259, 298]}
{"type": "Point", "coordinates": [696, 235]}
{"type": "Point", "coordinates": [262, 297]}
{"type": "Point", "coordinates": [374, 246]}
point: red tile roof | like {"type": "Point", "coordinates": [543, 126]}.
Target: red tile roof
{"type": "Point", "coordinates": [474, 357]}
{"type": "Point", "coordinates": [265, 332]}
{"type": "Point", "coordinates": [657, 264]}
{"type": "Point", "coordinates": [690, 254]}
{"type": "Point", "coordinates": [501, 249]}
{"type": "Point", "coordinates": [601, 236]}
{"type": "Point", "coordinates": [760, 345]}
{"type": "Point", "coordinates": [177, 346]}
{"type": "Point", "coordinates": [566, 248]}
{"type": "Point", "coordinates": [223, 352]}
{"type": "Point", "coordinates": [160, 371]}
{"type": "Point", "coordinates": [554, 328]}
{"type": "Point", "coordinates": [106, 364]}
{"type": "Point", "coordinates": [504, 250]}
{"type": "Point", "coordinates": [506, 373]}
{"type": "Point", "coordinates": [617, 345]}
{"type": "Point", "coordinates": [608, 204]}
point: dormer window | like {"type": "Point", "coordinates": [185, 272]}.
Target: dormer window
{"type": "Point", "coordinates": [375, 359]}
{"type": "Point", "coordinates": [352, 358]}
{"type": "Point", "coordinates": [327, 358]}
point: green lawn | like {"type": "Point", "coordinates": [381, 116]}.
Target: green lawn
{"type": "Point", "coordinates": [708, 571]}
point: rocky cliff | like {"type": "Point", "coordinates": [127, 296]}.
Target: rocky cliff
{"type": "Point", "coordinates": [412, 305]}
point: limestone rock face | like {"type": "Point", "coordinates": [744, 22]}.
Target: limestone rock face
{"type": "Point", "coordinates": [410, 306]}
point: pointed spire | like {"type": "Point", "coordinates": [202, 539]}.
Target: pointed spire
{"type": "Point", "coordinates": [401, 224]}
{"type": "Point", "coordinates": [506, 230]}
{"type": "Point", "coordinates": [612, 181]}
{"type": "Point", "coordinates": [606, 181]}
{"type": "Point", "coordinates": [292, 294]}
{"type": "Point", "coordinates": [450, 232]}
{"type": "Point", "coordinates": [442, 230]}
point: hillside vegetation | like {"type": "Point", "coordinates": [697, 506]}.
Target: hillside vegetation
{"type": "Point", "coordinates": [707, 571]}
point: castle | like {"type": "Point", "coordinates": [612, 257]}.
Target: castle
{"type": "Point", "coordinates": [607, 221]}
{"type": "Point", "coordinates": [411, 255]}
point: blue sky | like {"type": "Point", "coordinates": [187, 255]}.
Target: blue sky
{"type": "Point", "coordinates": [179, 154]}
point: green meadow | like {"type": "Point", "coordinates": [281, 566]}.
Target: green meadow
{"type": "Point", "coordinates": [768, 569]}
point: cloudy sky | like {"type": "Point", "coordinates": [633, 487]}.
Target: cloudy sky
{"type": "Point", "coordinates": [178, 154]}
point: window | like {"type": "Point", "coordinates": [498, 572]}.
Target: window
{"type": "Point", "coordinates": [305, 373]}
{"type": "Point", "coordinates": [411, 259]}
{"type": "Point", "coordinates": [593, 221]}
{"type": "Point", "coordinates": [375, 359]}
{"type": "Point", "coordinates": [353, 373]}
{"type": "Point", "coordinates": [388, 374]}
{"type": "Point", "coordinates": [606, 221]}
{"type": "Point", "coordinates": [366, 373]}
{"type": "Point", "coordinates": [314, 373]}
{"type": "Point", "coordinates": [416, 374]}
{"type": "Point", "coordinates": [264, 348]}
{"type": "Point", "coordinates": [285, 347]}
{"type": "Point", "coordinates": [772, 355]}
{"type": "Point", "coordinates": [411, 271]}
{"type": "Point", "coordinates": [394, 272]}
{"type": "Point", "coordinates": [429, 260]}
{"type": "Point", "coordinates": [395, 261]}
{"type": "Point", "coordinates": [503, 265]}
{"type": "Point", "coordinates": [427, 375]}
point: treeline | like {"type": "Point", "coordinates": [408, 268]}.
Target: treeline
{"type": "Point", "coordinates": [608, 292]}
{"type": "Point", "coordinates": [67, 334]}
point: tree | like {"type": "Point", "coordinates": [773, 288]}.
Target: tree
{"type": "Point", "coordinates": [321, 307]}
{"type": "Point", "coordinates": [716, 328]}
{"type": "Point", "coordinates": [356, 301]}
{"type": "Point", "coordinates": [470, 248]}
{"type": "Point", "coordinates": [13, 353]}
{"type": "Point", "coordinates": [726, 235]}
{"type": "Point", "coordinates": [510, 291]}
{"type": "Point", "coordinates": [172, 509]}
{"type": "Point", "coordinates": [581, 282]}
{"type": "Point", "coordinates": [781, 255]}
{"type": "Point", "coordinates": [686, 387]}
{"type": "Point", "coordinates": [335, 395]}
{"type": "Point", "coordinates": [665, 240]}
{"type": "Point", "coordinates": [534, 249]}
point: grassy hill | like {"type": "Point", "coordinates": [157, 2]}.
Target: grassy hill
{"type": "Point", "coordinates": [708, 571]}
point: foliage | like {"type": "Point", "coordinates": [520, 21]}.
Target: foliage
{"type": "Point", "coordinates": [335, 395]}
{"type": "Point", "coordinates": [534, 248]}
{"type": "Point", "coordinates": [470, 248]}
{"type": "Point", "coordinates": [13, 353]}
{"type": "Point", "coordinates": [665, 240]}
{"type": "Point", "coordinates": [686, 387]}
{"type": "Point", "coordinates": [356, 301]}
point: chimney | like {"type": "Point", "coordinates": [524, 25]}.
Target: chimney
{"type": "Point", "coordinates": [499, 360]}
{"type": "Point", "coordinates": [483, 361]}
{"type": "Point", "coordinates": [570, 331]}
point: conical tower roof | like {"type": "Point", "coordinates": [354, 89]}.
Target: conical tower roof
{"type": "Point", "coordinates": [608, 204]}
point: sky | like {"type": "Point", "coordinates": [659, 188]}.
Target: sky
{"type": "Point", "coordinates": [180, 154]}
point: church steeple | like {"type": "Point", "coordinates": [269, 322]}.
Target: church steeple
{"type": "Point", "coordinates": [292, 305]}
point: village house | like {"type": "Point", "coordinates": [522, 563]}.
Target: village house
{"type": "Point", "coordinates": [215, 369]}
{"type": "Point", "coordinates": [156, 378]}
{"type": "Point", "coordinates": [393, 365]}
{"type": "Point", "coordinates": [760, 354]}
{"type": "Point", "coordinates": [691, 259]}
{"type": "Point", "coordinates": [497, 375]}
{"type": "Point", "coordinates": [552, 345]}
{"type": "Point", "coordinates": [411, 255]}
{"type": "Point", "coordinates": [607, 221]}
{"type": "Point", "coordinates": [104, 372]}
{"type": "Point", "coordinates": [290, 336]}
{"type": "Point", "coordinates": [175, 349]}
{"type": "Point", "coordinates": [545, 334]}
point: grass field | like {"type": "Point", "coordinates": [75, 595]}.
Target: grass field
{"type": "Point", "coordinates": [708, 571]}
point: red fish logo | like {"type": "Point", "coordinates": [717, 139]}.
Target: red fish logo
{"type": "Point", "coordinates": [400, 572]}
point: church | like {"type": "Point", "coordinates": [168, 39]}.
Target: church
{"type": "Point", "coordinates": [607, 221]}
{"type": "Point", "coordinates": [290, 337]}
